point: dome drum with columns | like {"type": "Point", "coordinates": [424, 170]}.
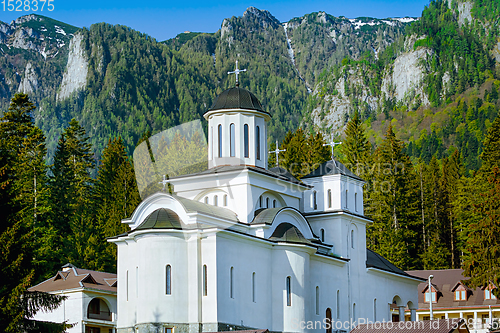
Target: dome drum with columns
{"type": "Point", "coordinates": [241, 246]}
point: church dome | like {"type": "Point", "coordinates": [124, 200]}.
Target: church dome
{"type": "Point", "coordinates": [236, 98]}
{"type": "Point", "coordinates": [161, 219]}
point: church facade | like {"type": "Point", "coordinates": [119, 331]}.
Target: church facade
{"type": "Point", "coordinates": [242, 245]}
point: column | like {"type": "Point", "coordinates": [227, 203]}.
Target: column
{"type": "Point", "coordinates": [413, 314]}
{"type": "Point", "coordinates": [446, 315]}
{"type": "Point", "coordinates": [401, 313]}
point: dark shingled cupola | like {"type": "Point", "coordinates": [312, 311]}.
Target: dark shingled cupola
{"type": "Point", "coordinates": [236, 98]}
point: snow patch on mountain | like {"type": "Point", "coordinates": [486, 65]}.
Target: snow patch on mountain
{"type": "Point", "coordinates": [75, 76]}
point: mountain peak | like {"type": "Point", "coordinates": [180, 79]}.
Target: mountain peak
{"type": "Point", "coordinates": [263, 15]}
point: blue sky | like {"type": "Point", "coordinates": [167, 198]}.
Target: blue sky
{"type": "Point", "coordinates": [165, 19]}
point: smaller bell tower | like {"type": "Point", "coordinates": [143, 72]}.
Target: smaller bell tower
{"type": "Point", "coordinates": [237, 128]}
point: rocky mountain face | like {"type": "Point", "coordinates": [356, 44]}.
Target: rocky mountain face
{"type": "Point", "coordinates": [314, 70]}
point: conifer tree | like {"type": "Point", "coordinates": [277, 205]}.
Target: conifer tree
{"type": "Point", "coordinates": [70, 187]}
{"type": "Point", "coordinates": [356, 147]}
{"type": "Point", "coordinates": [22, 172]}
{"type": "Point", "coordinates": [393, 205]}
{"type": "Point", "coordinates": [115, 197]}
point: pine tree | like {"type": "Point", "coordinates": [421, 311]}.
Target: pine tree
{"type": "Point", "coordinates": [70, 187]}
{"type": "Point", "coordinates": [355, 147]}
{"type": "Point", "coordinates": [22, 153]}
{"type": "Point", "coordinates": [393, 205]}
{"type": "Point", "coordinates": [115, 197]}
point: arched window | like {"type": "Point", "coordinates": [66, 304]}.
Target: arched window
{"type": "Point", "coordinates": [245, 140]}
{"type": "Point", "coordinates": [220, 140]}
{"type": "Point", "coordinates": [225, 200]}
{"type": "Point", "coordinates": [355, 201]}
{"type": "Point", "coordinates": [346, 196]}
{"type": "Point", "coordinates": [168, 282]}
{"type": "Point", "coordinates": [352, 239]}
{"type": "Point", "coordinates": [257, 142]}
{"type": "Point", "coordinates": [98, 309]}
{"type": "Point", "coordinates": [274, 203]}
{"type": "Point", "coordinates": [267, 202]}
{"type": "Point", "coordinates": [231, 282]}
{"type": "Point", "coordinates": [253, 287]}
{"type": "Point", "coordinates": [260, 201]}
{"type": "Point", "coordinates": [338, 304]}
{"type": "Point", "coordinates": [322, 235]}
{"type": "Point", "coordinates": [288, 291]}
{"type": "Point", "coordinates": [329, 198]}
{"type": "Point", "coordinates": [212, 141]}
{"type": "Point", "coordinates": [216, 200]}
{"type": "Point", "coordinates": [317, 300]}
{"type": "Point", "coordinates": [328, 320]}
{"type": "Point", "coordinates": [315, 202]}
{"type": "Point", "coordinates": [354, 312]}
{"type": "Point", "coordinates": [206, 200]}
{"type": "Point", "coordinates": [375, 310]}
{"type": "Point", "coordinates": [205, 281]}
{"type": "Point", "coordinates": [232, 148]}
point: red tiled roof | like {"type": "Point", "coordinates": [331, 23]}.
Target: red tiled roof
{"type": "Point", "coordinates": [426, 326]}
{"type": "Point", "coordinates": [446, 280]}
{"type": "Point", "coordinates": [72, 277]}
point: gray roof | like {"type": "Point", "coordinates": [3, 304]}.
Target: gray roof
{"type": "Point", "coordinates": [228, 168]}
{"type": "Point", "coordinates": [375, 260]}
{"type": "Point", "coordinates": [161, 219]}
{"type": "Point", "coordinates": [283, 172]}
{"type": "Point", "coordinates": [236, 98]}
{"type": "Point", "coordinates": [192, 206]}
{"type": "Point", "coordinates": [331, 168]}
{"type": "Point", "coordinates": [287, 232]}
{"type": "Point", "coordinates": [265, 215]}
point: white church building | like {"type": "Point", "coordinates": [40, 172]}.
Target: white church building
{"type": "Point", "coordinates": [244, 246]}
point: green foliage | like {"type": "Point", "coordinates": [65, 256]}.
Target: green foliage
{"type": "Point", "coordinates": [23, 220]}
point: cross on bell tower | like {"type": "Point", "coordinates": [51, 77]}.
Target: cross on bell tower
{"type": "Point", "coordinates": [277, 152]}
{"type": "Point", "coordinates": [164, 182]}
{"type": "Point", "coordinates": [237, 71]}
{"type": "Point", "coordinates": [332, 144]}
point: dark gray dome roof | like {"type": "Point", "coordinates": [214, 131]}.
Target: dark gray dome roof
{"type": "Point", "coordinates": [161, 219]}
{"type": "Point", "coordinates": [236, 98]}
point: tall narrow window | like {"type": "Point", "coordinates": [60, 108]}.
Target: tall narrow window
{"type": "Point", "coordinates": [206, 200]}
{"type": "Point", "coordinates": [232, 140]}
{"type": "Point", "coordinates": [216, 200]}
{"type": "Point", "coordinates": [315, 202]}
{"type": "Point", "coordinates": [355, 201]}
{"type": "Point", "coordinates": [329, 198]}
{"type": "Point", "coordinates": [212, 141]}
{"type": "Point", "coordinates": [317, 300]}
{"type": "Point", "coordinates": [260, 201]}
{"type": "Point", "coordinates": [346, 196]}
{"type": "Point", "coordinates": [126, 283]}
{"type": "Point", "coordinates": [267, 202]}
{"type": "Point", "coordinates": [375, 310]}
{"type": "Point", "coordinates": [253, 287]}
{"type": "Point", "coordinates": [288, 291]}
{"type": "Point", "coordinates": [225, 200]}
{"type": "Point", "coordinates": [245, 140]}
{"type": "Point", "coordinates": [274, 203]}
{"type": "Point", "coordinates": [338, 304]}
{"type": "Point", "coordinates": [322, 235]}
{"type": "Point", "coordinates": [220, 140]}
{"type": "Point", "coordinates": [257, 142]}
{"type": "Point", "coordinates": [354, 312]}
{"type": "Point", "coordinates": [231, 282]}
{"type": "Point", "coordinates": [205, 281]}
{"type": "Point", "coordinates": [352, 239]}
{"type": "Point", "coordinates": [168, 278]}
{"type": "Point", "coordinates": [329, 323]}
{"type": "Point", "coordinates": [136, 281]}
